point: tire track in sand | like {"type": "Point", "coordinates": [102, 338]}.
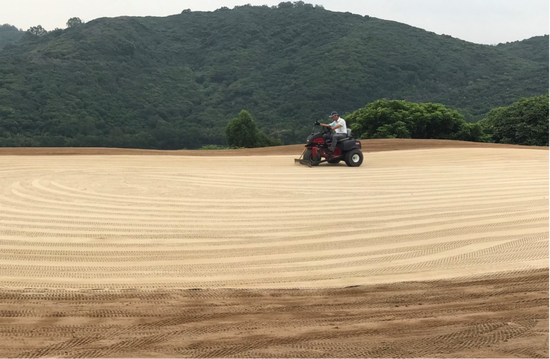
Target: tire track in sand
{"type": "Point", "coordinates": [186, 222]}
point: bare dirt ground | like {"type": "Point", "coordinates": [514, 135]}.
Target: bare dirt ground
{"type": "Point", "coordinates": [435, 249]}
{"type": "Point", "coordinates": [498, 316]}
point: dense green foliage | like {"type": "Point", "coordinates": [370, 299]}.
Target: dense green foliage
{"type": "Point", "coordinates": [176, 82]}
{"type": "Point", "coordinates": [532, 49]}
{"type": "Point", "coordinates": [242, 132]}
{"type": "Point", "coordinates": [74, 21]}
{"type": "Point", "coordinates": [9, 35]}
{"type": "Point", "coordinates": [524, 122]}
{"type": "Point", "coordinates": [402, 119]}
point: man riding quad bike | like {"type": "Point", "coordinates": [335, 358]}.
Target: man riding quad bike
{"type": "Point", "coordinates": [318, 147]}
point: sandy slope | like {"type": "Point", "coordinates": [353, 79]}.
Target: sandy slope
{"type": "Point", "coordinates": [376, 145]}
{"type": "Point", "coordinates": [148, 221]}
{"type": "Point", "coordinates": [449, 248]}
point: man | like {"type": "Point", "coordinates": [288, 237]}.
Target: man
{"type": "Point", "coordinates": [340, 130]}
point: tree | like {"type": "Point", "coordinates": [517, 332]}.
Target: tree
{"type": "Point", "coordinates": [523, 123]}
{"type": "Point", "coordinates": [37, 31]}
{"type": "Point", "coordinates": [74, 21]}
{"type": "Point", "coordinates": [9, 35]}
{"type": "Point", "coordinates": [471, 132]}
{"type": "Point", "coordinates": [243, 132]}
{"type": "Point", "coordinates": [402, 119]}
{"type": "Point", "coordinates": [285, 5]}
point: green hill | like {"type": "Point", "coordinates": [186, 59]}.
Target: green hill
{"type": "Point", "coordinates": [9, 35]}
{"type": "Point", "coordinates": [177, 81]}
{"type": "Point", "coordinates": [533, 49]}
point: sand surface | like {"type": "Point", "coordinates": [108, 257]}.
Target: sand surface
{"type": "Point", "coordinates": [241, 253]}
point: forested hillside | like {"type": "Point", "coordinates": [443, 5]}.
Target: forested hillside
{"type": "Point", "coordinates": [177, 81]}
{"type": "Point", "coordinates": [9, 34]}
{"type": "Point", "coordinates": [534, 49]}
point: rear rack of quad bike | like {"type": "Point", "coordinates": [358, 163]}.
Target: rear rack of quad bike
{"type": "Point", "coordinates": [301, 161]}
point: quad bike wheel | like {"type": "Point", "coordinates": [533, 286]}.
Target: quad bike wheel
{"type": "Point", "coordinates": [354, 158]}
{"type": "Point", "coordinates": [308, 156]}
{"type": "Point", "coordinates": [334, 161]}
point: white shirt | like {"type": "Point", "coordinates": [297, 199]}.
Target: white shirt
{"type": "Point", "coordinates": [343, 128]}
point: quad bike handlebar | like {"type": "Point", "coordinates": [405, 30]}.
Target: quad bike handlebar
{"type": "Point", "coordinates": [325, 129]}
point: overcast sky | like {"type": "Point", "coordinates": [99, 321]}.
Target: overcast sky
{"type": "Point", "coordinates": [478, 21]}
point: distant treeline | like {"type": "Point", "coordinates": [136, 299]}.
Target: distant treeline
{"type": "Point", "coordinates": [9, 34]}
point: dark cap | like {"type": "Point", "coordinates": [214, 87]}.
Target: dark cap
{"type": "Point", "coordinates": [334, 113]}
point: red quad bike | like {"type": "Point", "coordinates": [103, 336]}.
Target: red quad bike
{"type": "Point", "coordinates": [318, 146]}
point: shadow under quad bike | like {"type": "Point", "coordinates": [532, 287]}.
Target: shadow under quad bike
{"type": "Point", "coordinates": [318, 145]}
